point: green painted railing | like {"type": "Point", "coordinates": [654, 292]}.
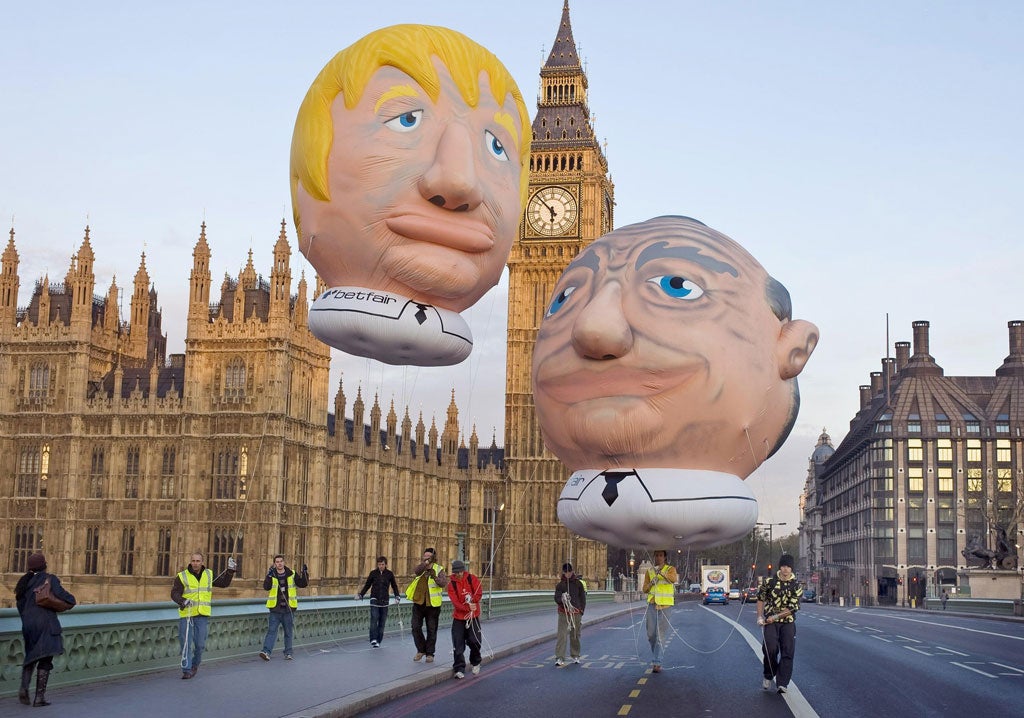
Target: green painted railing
{"type": "Point", "coordinates": [117, 640]}
{"type": "Point", "coordinates": [989, 606]}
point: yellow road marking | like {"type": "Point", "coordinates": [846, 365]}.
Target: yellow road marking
{"type": "Point", "coordinates": [624, 711]}
{"type": "Point", "coordinates": [642, 682]}
{"type": "Point", "coordinates": [634, 694]}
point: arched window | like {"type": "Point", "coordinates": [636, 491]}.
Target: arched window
{"type": "Point", "coordinates": [39, 380]}
{"type": "Point", "coordinates": [28, 472]}
{"type": "Point", "coordinates": [234, 378]}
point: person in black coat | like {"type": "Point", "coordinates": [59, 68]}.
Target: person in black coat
{"type": "Point", "coordinates": [40, 628]}
{"type": "Point", "coordinates": [377, 583]}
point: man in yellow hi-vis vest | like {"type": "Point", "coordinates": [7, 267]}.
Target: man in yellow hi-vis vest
{"type": "Point", "coordinates": [282, 600]}
{"type": "Point", "coordinates": [192, 590]}
{"type": "Point", "coordinates": [425, 594]}
{"type": "Point", "coordinates": [660, 587]}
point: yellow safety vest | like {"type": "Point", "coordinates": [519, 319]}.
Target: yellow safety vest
{"type": "Point", "coordinates": [199, 592]}
{"type": "Point", "coordinates": [293, 598]}
{"type": "Point", "coordinates": [660, 591]}
{"type": "Point", "coordinates": [435, 590]}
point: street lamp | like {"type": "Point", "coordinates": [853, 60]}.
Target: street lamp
{"type": "Point", "coordinates": [632, 573]}
{"type": "Point", "coordinates": [770, 525]}
{"type": "Point", "coordinates": [490, 564]}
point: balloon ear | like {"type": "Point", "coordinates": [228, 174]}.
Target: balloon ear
{"type": "Point", "coordinates": [796, 342]}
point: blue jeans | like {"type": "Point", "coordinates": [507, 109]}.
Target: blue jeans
{"type": "Point", "coordinates": [657, 631]}
{"type": "Point", "coordinates": [378, 617]}
{"type": "Point", "coordinates": [279, 618]}
{"type": "Point", "coordinates": [196, 635]}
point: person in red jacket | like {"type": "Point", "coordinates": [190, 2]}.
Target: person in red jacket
{"type": "Point", "coordinates": [465, 591]}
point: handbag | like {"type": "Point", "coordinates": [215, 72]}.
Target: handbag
{"type": "Point", "coordinates": [46, 599]}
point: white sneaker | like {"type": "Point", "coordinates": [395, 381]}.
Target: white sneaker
{"type": "Point", "coordinates": [476, 670]}
{"type": "Point", "coordinates": [374, 644]}
{"type": "Point", "coordinates": [766, 683]}
{"type": "Point", "coordinates": [264, 655]}
{"type": "Point", "coordinates": [782, 689]}
{"type": "Point", "coordinates": [576, 659]}
{"type": "Point", "coordinates": [559, 662]}
{"type": "Point", "coordinates": [460, 674]}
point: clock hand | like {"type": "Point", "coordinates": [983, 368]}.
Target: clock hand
{"type": "Point", "coordinates": [552, 211]}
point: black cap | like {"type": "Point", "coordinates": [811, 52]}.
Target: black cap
{"type": "Point", "coordinates": [566, 567]}
{"type": "Point", "coordinates": [785, 560]}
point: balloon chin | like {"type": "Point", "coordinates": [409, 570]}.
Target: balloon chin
{"type": "Point", "coordinates": [657, 508]}
{"type": "Point", "coordinates": [389, 327]}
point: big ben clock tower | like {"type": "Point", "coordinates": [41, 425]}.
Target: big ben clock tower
{"type": "Point", "coordinates": [570, 204]}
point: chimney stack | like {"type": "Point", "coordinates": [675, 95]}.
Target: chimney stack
{"type": "Point", "coordinates": [876, 383]}
{"type": "Point", "coordinates": [902, 355]}
{"type": "Point", "coordinates": [865, 395]}
{"type": "Point", "coordinates": [921, 342]}
{"type": "Point", "coordinates": [921, 362]}
{"type": "Point", "coordinates": [1013, 365]}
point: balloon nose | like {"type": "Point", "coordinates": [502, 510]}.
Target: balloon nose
{"type": "Point", "coordinates": [451, 180]}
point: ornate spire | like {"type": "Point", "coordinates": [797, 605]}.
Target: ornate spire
{"type": "Point", "coordinates": [563, 52]}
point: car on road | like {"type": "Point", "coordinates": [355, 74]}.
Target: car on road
{"type": "Point", "coordinates": [810, 596]}
{"type": "Point", "coordinates": [694, 588]}
{"type": "Point", "coordinates": [734, 594]}
{"type": "Point", "coordinates": [716, 594]}
{"type": "Point", "coordinates": [749, 595]}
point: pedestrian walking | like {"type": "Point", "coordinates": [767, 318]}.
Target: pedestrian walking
{"type": "Point", "coordinates": [660, 587]}
{"type": "Point", "coordinates": [571, 599]}
{"type": "Point", "coordinates": [40, 627]}
{"type": "Point", "coordinates": [944, 598]}
{"type": "Point", "coordinates": [465, 592]}
{"type": "Point", "coordinates": [282, 600]}
{"type": "Point", "coordinates": [192, 590]}
{"type": "Point", "coordinates": [378, 583]}
{"type": "Point", "coordinates": [778, 600]}
{"type": "Point", "coordinates": [425, 594]}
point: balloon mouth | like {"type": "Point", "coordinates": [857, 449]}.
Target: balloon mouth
{"type": "Point", "coordinates": [466, 235]}
{"type": "Point", "coordinates": [584, 385]}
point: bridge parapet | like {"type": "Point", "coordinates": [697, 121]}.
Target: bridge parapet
{"type": "Point", "coordinates": [118, 640]}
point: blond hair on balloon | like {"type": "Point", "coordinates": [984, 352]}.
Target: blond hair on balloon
{"type": "Point", "coordinates": [408, 48]}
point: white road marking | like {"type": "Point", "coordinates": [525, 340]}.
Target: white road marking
{"type": "Point", "coordinates": [964, 665]}
{"type": "Point", "coordinates": [946, 625]}
{"type": "Point", "coordinates": [1009, 668]}
{"type": "Point", "coordinates": [950, 650]}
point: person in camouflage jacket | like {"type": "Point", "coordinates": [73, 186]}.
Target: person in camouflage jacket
{"type": "Point", "coordinates": [778, 600]}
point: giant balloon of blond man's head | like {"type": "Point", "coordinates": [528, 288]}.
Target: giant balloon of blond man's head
{"type": "Point", "coordinates": [409, 169]}
{"type": "Point", "coordinates": [664, 373]}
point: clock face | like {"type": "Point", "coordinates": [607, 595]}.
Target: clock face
{"type": "Point", "coordinates": [552, 211]}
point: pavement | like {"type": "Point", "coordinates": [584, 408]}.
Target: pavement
{"type": "Point", "coordinates": [341, 678]}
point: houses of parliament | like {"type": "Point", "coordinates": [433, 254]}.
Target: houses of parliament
{"type": "Point", "coordinates": [118, 460]}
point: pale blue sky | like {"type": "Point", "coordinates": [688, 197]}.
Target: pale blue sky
{"type": "Point", "coordinates": [869, 154]}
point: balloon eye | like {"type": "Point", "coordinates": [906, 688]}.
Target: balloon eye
{"type": "Point", "coordinates": [405, 122]}
{"type": "Point", "coordinates": [560, 300]}
{"type": "Point", "coordinates": [495, 147]}
{"type": "Point", "coordinates": [678, 287]}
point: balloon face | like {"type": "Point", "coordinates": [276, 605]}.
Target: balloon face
{"type": "Point", "coordinates": [408, 173]}
{"type": "Point", "coordinates": [424, 189]}
{"type": "Point", "coordinates": [667, 346]}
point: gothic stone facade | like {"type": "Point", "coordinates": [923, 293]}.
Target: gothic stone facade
{"type": "Point", "coordinates": [118, 463]}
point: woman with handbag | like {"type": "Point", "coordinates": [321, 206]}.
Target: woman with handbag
{"type": "Point", "coordinates": [40, 627]}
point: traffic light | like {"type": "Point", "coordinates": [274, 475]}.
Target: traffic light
{"type": "Point", "coordinates": [914, 579]}
{"type": "Point", "coordinates": [753, 567]}
{"type": "Point", "coordinates": [769, 568]}
{"type": "Point", "coordinates": [899, 580]}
